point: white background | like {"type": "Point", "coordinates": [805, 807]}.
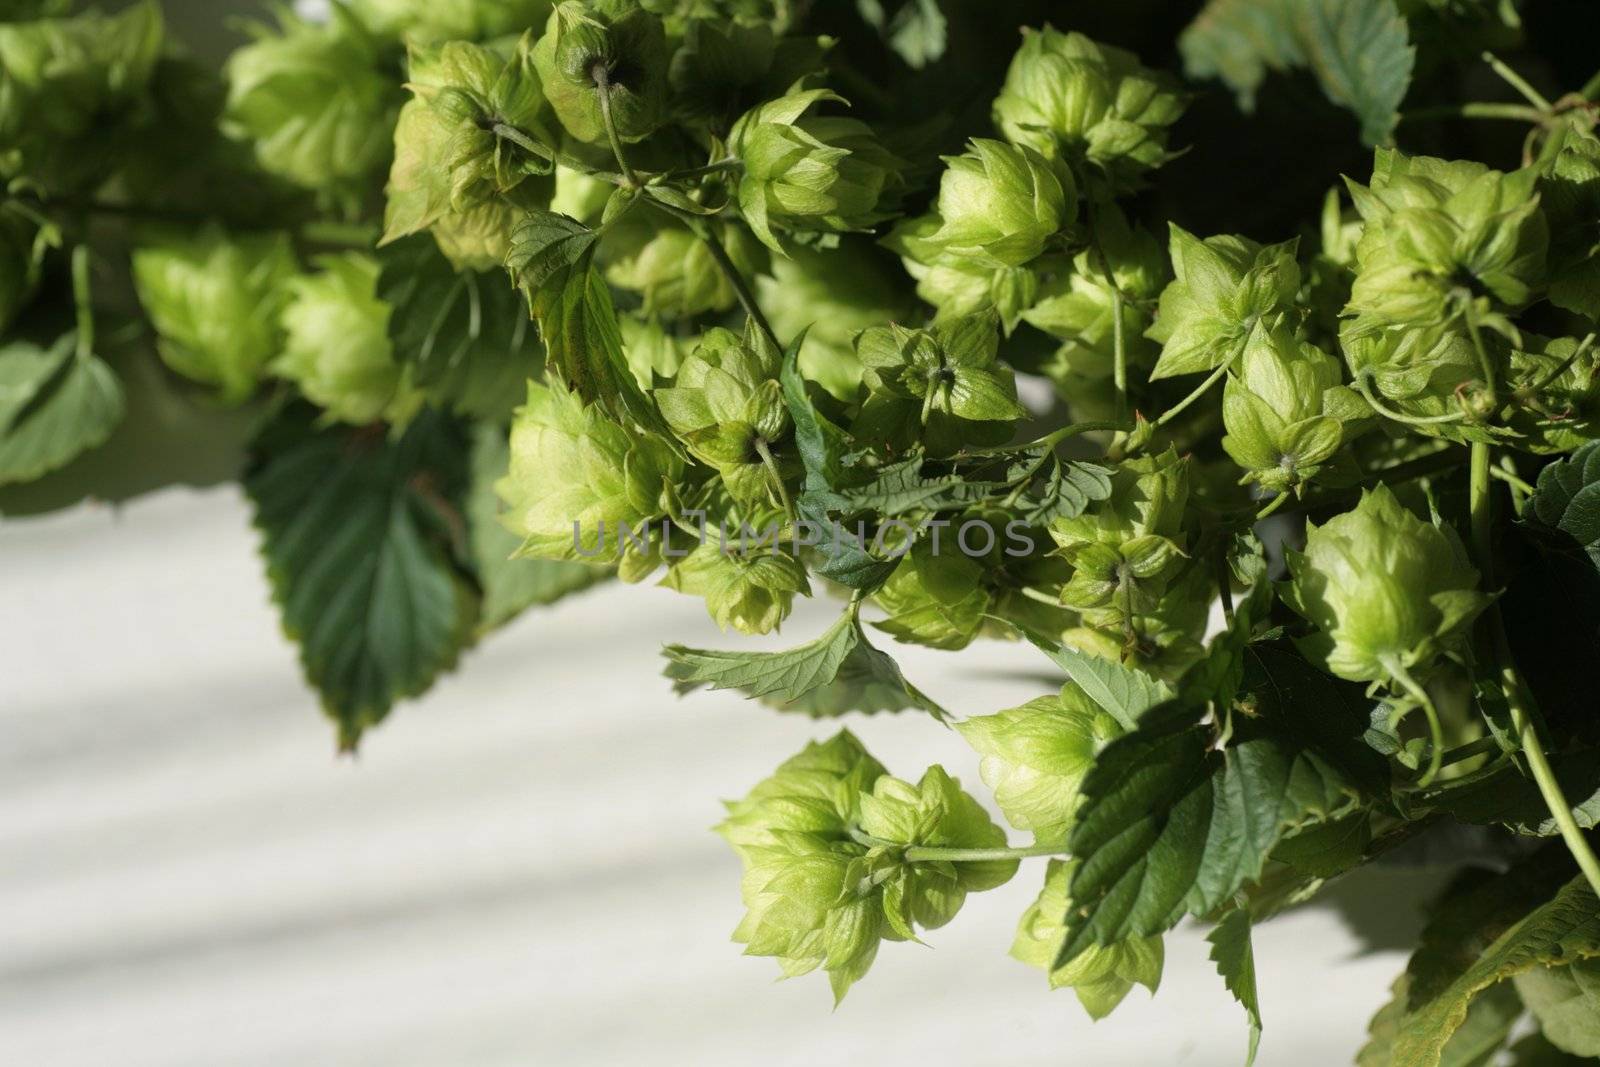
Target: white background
{"type": "Point", "coordinates": [517, 869]}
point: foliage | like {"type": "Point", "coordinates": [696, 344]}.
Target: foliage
{"type": "Point", "coordinates": [742, 299]}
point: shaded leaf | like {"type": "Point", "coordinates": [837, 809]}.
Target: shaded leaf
{"type": "Point", "coordinates": [54, 405]}
{"type": "Point", "coordinates": [1236, 963]}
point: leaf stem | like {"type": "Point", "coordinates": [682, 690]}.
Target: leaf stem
{"type": "Point", "coordinates": [931, 853]}
{"type": "Point", "coordinates": [602, 82]}
{"type": "Point", "coordinates": [1511, 112]}
{"type": "Point", "coordinates": [765, 452]}
{"type": "Point", "coordinates": [1205, 387]}
{"type": "Point", "coordinates": [83, 301]}
{"type": "Point", "coordinates": [1524, 711]}
{"type": "Point", "coordinates": [1491, 380]}
{"type": "Point", "coordinates": [1363, 384]}
{"type": "Point", "coordinates": [1518, 82]}
{"type": "Point", "coordinates": [507, 132]}
{"type": "Point", "coordinates": [1399, 673]}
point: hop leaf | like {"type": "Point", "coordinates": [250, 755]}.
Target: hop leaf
{"type": "Point", "coordinates": [1101, 975]}
{"type": "Point", "coordinates": [1566, 1001]}
{"type": "Point", "coordinates": [1387, 592]}
{"type": "Point", "coordinates": [215, 301]}
{"type": "Point", "coordinates": [1223, 287]}
{"type": "Point", "coordinates": [576, 477]}
{"type": "Point", "coordinates": [810, 173]}
{"type": "Point", "coordinates": [1096, 106]}
{"type": "Point", "coordinates": [337, 347]}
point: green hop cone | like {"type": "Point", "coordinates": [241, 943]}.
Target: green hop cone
{"type": "Point", "coordinates": [1002, 204]}
{"type": "Point", "coordinates": [428, 21]}
{"type": "Point", "coordinates": [1387, 593]}
{"type": "Point", "coordinates": [1035, 758]}
{"type": "Point", "coordinates": [1571, 201]}
{"type": "Point", "coordinates": [1148, 497]}
{"type": "Point", "coordinates": [725, 404]}
{"type": "Point", "coordinates": [832, 295]}
{"type": "Point", "coordinates": [576, 478]}
{"type": "Point", "coordinates": [1093, 105]}
{"type": "Point", "coordinates": [654, 355]}
{"type": "Point", "coordinates": [810, 173]}
{"type": "Point", "coordinates": [673, 271]}
{"type": "Point", "coordinates": [1285, 410]}
{"type": "Point", "coordinates": [214, 301]}
{"type": "Point", "coordinates": [935, 598]}
{"type": "Point", "coordinates": [746, 585]}
{"type": "Point", "coordinates": [336, 346]}
{"type": "Point", "coordinates": [612, 41]}
{"type": "Point", "coordinates": [960, 285]}
{"type": "Point", "coordinates": [1101, 975]}
{"type": "Point", "coordinates": [816, 792]}
{"type": "Point", "coordinates": [462, 140]}
{"type": "Point", "coordinates": [1222, 287]}
{"type": "Point", "coordinates": [944, 384]}
{"type": "Point", "coordinates": [314, 101]}
{"type": "Point", "coordinates": [1555, 388]}
{"type": "Point", "coordinates": [1444, 239]}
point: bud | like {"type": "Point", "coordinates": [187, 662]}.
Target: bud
{"type": "Point", "coordinates": [1443, 236]}
{"type": "Point", "coordinates": [1387, 592]}
{"type": "Point", "coordinates": [1002, 204]}
{"type": "Point", "coordinates": [479, 238]}
{"type": "Point", "coordinates": [751, 590]}
{"type": "Point", "coordinates": [215, 301]}
{"type": "Point", "coordinates": [614, 41]}
{"type": "Point", "coordinates": [1101, 975]}
{"type": "Point", "coordinates": [337, 346]}
{"type": "Point", "coordinates": [725, 404]}
{"type": "Point", "coordinates": [1284, 410]}
{"type": "Point", "coordinates": [950, 370]}
{"type": "Point", "coordinates": [1068, 97]}
{"type": "Point", "coordinates": [810, 173]}
{"type": "Point", "coordinates": [576, 477]}
{"type": "Point", "coordinates": [449, 20]}
{"type": "Point", "coordinates": [313, 100]}
{"type": "Point", "coordinates": [1035, 758]}
{"type": "Point", "coordinates": [1223, 287]}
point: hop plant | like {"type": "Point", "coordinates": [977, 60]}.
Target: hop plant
{"type": "Point", "coordinates": [1001, 204]}
{"type": "Point", "coordinates": [1388, 593]}
{"type": "Point", "coordinates": [1444, 237]}
{"type": "Point", "coordinates": [810, 173]}
{"type": "Point", "coordinates": [336, 346]}
{"type": "Point", "coordinates": [215, 300]}
{"type": "Point", "coordinates": [749, 583]}
{"type": "Point", "coordinates": [1093, 105]}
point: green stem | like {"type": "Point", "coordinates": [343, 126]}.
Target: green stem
{"type": "Point", "coordinates": [1399, 673]}
{"type": "Point", "coordinates": [700, 172]}
{"type": "Point", "coordinates": [1511, 479]}
{"type": "Point", "coordinates": [602, 81]}
{"type": "Point", "coordinates": [507, 132]}
{"type": "Point", "coordinates": [1205, 387]}
{"type": "Point", "coordinates": [1483, 746]}
{"type": "Point", "coordinates": [83, 301]}
{"type": "Point", "coordinates": [1517, 82]}
{"type": "Point", "coordinates": [730, 270]}
{"type": "Point", "coordinates": [1524, 711]}
{"type": "Point", "coordinates": [1363, 386]}
{"type": "Point", "coordinates": [1040, 595]}
{"type": "Point", "coordinates": [931, 854]}
{"type": "Point", "coordinates": [1276, 503]}
{"type": "Point", "coordinates": [1491, 379]}
{"type": "Point", "coordinates": [1512, 112]}
{"type": "Point", "coordinates": [765, 453]}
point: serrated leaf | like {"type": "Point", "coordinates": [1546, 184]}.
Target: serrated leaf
{"type": "Point", "coordinates": [1482, 1035]}
{"type": "Point", "coordinates": [839, 672]}
{"type": "Point", "coordinates": [1502, 795]}
{"type": "Point", "coordinates": [462, 333]}
{"type": "Point", "coordinates": [1502, 928]}
{"type": "Point", "coordinates": [1236, 963]}
{"type": "Point", "coordinates": [1172, 822]}
{"type": "Point", "coordinates": [1066, 493]}
{"type": "Point", "coordinates": [552, 260]}
{"type": "Point", "coordinates": [510, 586]}
{"type": "Point", "coordinates": [899, 488]}
{"type": "Point", "coordinates": [358, 532]}
{"type": "Point", "coordinates": [1359, 51]}
{"type": "Point", "coordinates": [54, 405]}
{"type": "Point", "coordinates": [1567, 498]}
{"type": "Point", "coordinates": [1122, 692]}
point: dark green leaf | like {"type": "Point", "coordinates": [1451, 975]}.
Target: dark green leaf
{"type": "Point", "coordinates": [360, 532]}
{"type": "Point", "coordinates": [1236, 963]}
{"type": "Point", "coordinates": [1567, 498]}
{"type": "Point", "coordinates": [462, 333]}
{"type": "Point", "coordinates": [1500, 794]}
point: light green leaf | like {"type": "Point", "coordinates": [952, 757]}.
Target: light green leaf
{"type": "Point", "coordinates": [1236, 963]}
{"type": "Point", "coordinates": [53, 406]}
{"type": "Point", "coordinates": [356, 533]}
{"type": "Point", "coordinates": [841, 671]}
{"type": "Point", "coordinates": [1122, 692]}
{"type": "Point", "coordinates": [510, 585]}
{"type": "Point", "coordinates": [1359, 51]}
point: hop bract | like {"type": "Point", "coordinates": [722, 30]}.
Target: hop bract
{"type": "Point", "coordinates": [1222, 287]}
{"type": "Point", "coordinates": [1096, 106]}
{"type": "Point", "coordinates": [576, 478]}
{"type": "Point", "coordinates": [1441, 237]}
{"type": "Point", "coordinates": [807, 172]}
{"type": "Point", "coordinates": [1387, 592]}
{"type": "Point", "coordinates": [215, 301]}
